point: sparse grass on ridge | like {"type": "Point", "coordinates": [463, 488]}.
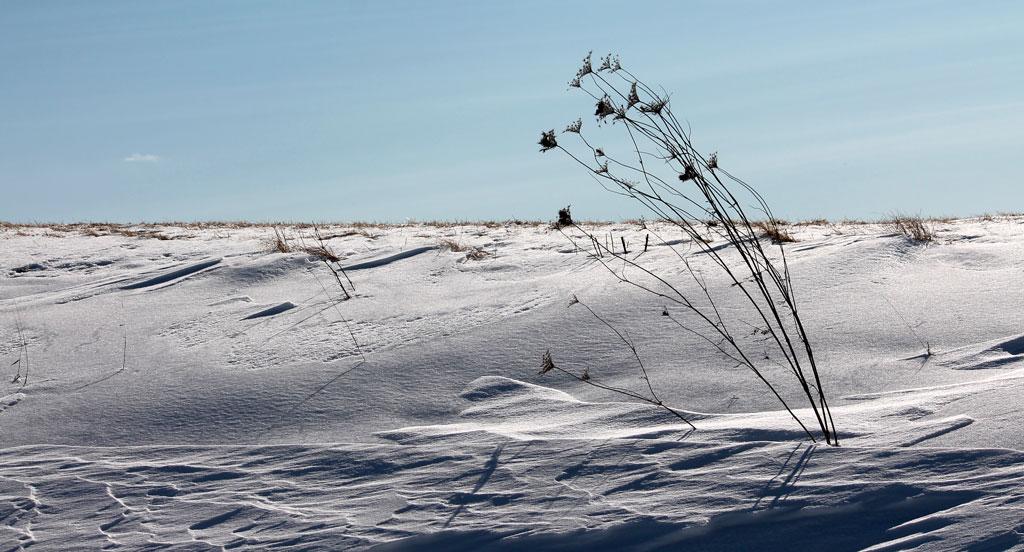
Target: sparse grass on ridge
{"type": "Point", "coordinates": [159, 230]}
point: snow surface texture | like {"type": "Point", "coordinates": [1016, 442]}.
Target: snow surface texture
{"type": "Point", "coordinates": [200, 392]}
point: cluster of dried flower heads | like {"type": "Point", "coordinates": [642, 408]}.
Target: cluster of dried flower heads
{"type": "Point", "coordinates": [665, 173]}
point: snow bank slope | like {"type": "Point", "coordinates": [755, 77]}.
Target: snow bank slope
{"type": "Point", "coordinates": [169, 381]}
{"type": "Point", "coordinates": [529, 467]}
{"type": "Point", "coordinates": [210, 337]}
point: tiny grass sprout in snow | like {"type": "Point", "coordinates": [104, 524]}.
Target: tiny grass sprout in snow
{"type": "Point", "coordinates": [22, 362]}
{"type": "Point", "coordinates": [925, 344]}
{"type": "Point", "coordinates": [692, 193]}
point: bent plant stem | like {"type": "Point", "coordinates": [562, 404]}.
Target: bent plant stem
{"type": "Point", "coordinates": [124, 355]}
{"type": "Point", "coordinates": [719, 327]}
{"type": "Point", "coordinates": [711, 196]}
{"type": "Point", "coordinates": [627, 342]}
{"type": "Point", "coordinates": [24, 350]}
{"type": "Point", "coordinates": [625, 392]}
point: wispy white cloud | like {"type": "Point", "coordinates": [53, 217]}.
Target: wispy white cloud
{"type": "Point", "coordinates": [142, 158]}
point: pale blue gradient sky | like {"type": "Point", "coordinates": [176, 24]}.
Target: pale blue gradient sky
{"type": "Point", "coordinates": [430, 110]}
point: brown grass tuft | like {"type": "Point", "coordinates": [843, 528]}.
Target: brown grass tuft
{"type": "Point", "coordinates": [477, 254]}
{"type": "Point", "coordinates": [912, 227]}
{"type": "Point", "coordinates": [279, 242]}
{"type": "Point", "coordinates": [773, 230]}
{"type": "Point", "coordinates": [450, 245]}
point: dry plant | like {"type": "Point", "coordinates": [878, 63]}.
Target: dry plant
{"type": "Point", "coordinates": [564, 218]}
{"type": "Point", "coordinates": [450, 245]}
{"type": "Point", "coordinates": [473, 253]}
{"type": "Point", "coordinates": [322, 251]}
{"type": "Point", "coordinates": [124, 354]}
{"type": "Point", "coordinates": [22, 364]}
{"type": "Point", "coordinates": [925, 344]}
{"type": "Point", "coordinates": [477, 254]}
{"type": "Point", "coordinates": [279, 242]}
{"type": "Point", "coordinates": [775, 231]}
{"type": "Point", "coordinates": [650, 396]}
{"type": "Point", "coordinates": [912, 227]}
{"type": "Point", "coordinates": [145, 231]}
{"type": "Point", "coordinates": [355, 232]}
{"type": "Point", "coordinates": [662, 171]}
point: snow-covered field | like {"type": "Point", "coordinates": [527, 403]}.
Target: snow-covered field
{"type": "Point", "coordinates": [189, 389]}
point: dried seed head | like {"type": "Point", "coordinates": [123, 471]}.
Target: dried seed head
{"type": "Point", "coordinates": [604, 108]}
{"type": "Point", "coordinates": [574, 126]}
{"type": "Point", "coordinates": [573, 300]}
{"type": "Point", "coordinates": [546, 364]}
{"type": "Point", "coordinates": [689, 173]}
{"type": "Point", "coordinates": [586, 375]}
{"type": "Point", "coordinates": [610, 63]}
{"type": "Point", "coordinates": [603, 169]}
{"type": "Point", "coordinates": [547, 140]}
{"type": "Point", "coordinates": [634, 98]}
{"type": "Point", "coordinates": [654, 106]}
{"type": "Point", "coordinates": [599, 152]}
{"type": "Point", "coordinates": [713, 161]}
{"type": "Point", "coordinates": [664, 311]}
{"type": "Point", "coordinates": [586, 69]}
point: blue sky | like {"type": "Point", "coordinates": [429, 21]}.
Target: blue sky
{"type": "Point", "coordinates": [131, 111]}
